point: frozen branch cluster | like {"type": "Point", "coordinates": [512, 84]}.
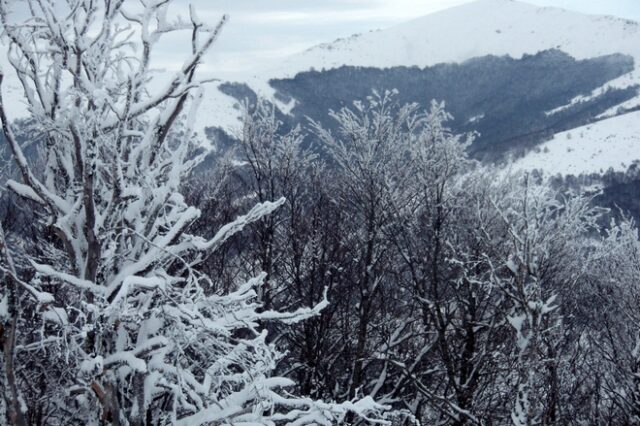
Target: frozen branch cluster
{"type": "Point", "coordinates": [120, 326]}
{"type": "Point", "coordinates": [461, 294]}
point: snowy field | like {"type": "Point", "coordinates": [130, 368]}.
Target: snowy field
{"type": "Point", "coordinates": [611, 143]}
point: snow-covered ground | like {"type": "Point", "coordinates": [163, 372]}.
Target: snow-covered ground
{"type": "Point", "coordinates": [609, 143]}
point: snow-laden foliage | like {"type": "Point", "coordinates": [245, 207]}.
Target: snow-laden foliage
{"type": "Point", "coordinates": [120, 326]}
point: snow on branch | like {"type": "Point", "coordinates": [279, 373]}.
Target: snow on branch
{"type": "Point", "coordinates": [79, 283]}
{"type": "Point", "coordinates": [227, 231]}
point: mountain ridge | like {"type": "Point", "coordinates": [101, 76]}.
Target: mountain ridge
{"type": "Point", "coordinates": [429, 39]}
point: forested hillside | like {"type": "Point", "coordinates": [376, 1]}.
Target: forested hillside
{"type": "Point", "coordinates": [505, 100]}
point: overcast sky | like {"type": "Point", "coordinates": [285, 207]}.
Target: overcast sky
{"type": "Point", "coordinates": [265, 30]}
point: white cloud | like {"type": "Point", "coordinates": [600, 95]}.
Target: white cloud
{"type": "Point", "coordinates": [382, 11]}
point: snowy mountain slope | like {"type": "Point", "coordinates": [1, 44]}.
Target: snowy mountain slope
{"type": "Point", "coordinates": [610, 143]}
{"type": "Point", "coordinates": [480, 28]}
{"type": "Point", "coordinates": [627, 80]}
{"type": "Point", "coordinates": [483, 27]}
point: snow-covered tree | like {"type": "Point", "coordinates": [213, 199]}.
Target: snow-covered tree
{"type": "Point", "coordinates": [541, 253]}
{"type": "Point", "coordinates": [116, 323]}
{"type": "Point", "coordinates": [370, 149]}
{"type": "Point", "coordinates": [612, 313]}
